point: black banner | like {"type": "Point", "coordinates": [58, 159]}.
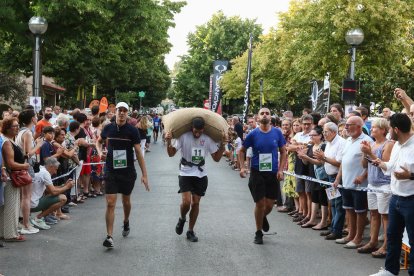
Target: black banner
{"type": "Point", "coordinates": [220, 66]}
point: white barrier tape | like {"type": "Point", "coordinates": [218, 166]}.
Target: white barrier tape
{"type": "Point", "coordinates": [71, 171]}
{"type": "Point", "coordinates": [363, 189]}
{"type": "Point", "coordinates": [66, 174]}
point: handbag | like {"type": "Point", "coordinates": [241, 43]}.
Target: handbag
{"type": "Point", "coordinates": [20, 178]}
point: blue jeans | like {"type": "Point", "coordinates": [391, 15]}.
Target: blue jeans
{"type": "Point", "coordinates": [338, 212]}
{"type": "Point", "coordinates": [400, 215]}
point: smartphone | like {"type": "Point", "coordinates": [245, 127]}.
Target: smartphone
{"type": "Point", "coordinates": [368, 159]}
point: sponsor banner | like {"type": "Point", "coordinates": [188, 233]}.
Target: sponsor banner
{"type": "Point", "coordinates": [220, 66]}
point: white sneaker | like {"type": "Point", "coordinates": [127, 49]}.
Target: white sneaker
{"type": "Point", "coordinates": [382, 272]}
{"type": "Point", "coordinates": [29, 231]}
{"type": "Point", "coordinates": [39, 223]}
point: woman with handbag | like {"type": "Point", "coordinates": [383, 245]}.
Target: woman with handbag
{"type": "Point", "coordinates": [25, 141]}
{"type": "Point", "coordinates": [13, 158]}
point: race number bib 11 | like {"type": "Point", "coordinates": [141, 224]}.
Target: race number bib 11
{"type": "Point", "coordinates": [197, 155]}
{"type": "Point", "coordinates": [265, 162]}
{"type": "Point", "coordinates": [120, 159]}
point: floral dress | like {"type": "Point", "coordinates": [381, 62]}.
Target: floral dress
{"type": "Point", "coordinates": [289, 185]}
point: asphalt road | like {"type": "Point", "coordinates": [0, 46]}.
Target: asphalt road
{"type": "Point", "coordinates": [225, 229]}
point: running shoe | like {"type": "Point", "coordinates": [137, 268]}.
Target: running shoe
{"type": "Point", "coordinates": [50, 221]}
{"type": "Point", "coordinates": [39, 223]}
{"type": "Point", "coordinates": [29, 231]}
{"type": "Point", "coordinates": [191, 236]}
{"type": "Point", "coordinates": [266, 225]}
{"type": "Point", "coordinates": [382, 272]}
{"type": "Point", "coordinates": [180, 226]}
{"type": "Point", "coordinates": [108, 242]}
{"type": "Point", "coordinates": [125, 229]}
{"type": "Point", "coordinates": [258, 238]}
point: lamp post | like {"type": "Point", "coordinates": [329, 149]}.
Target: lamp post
{"type": "Point", "coordinates": [38, 26]}
{"type": "Point", "coordinates": [354, 37]}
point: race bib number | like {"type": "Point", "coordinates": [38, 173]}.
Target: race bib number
{"type": "Point", "coordinates": [197, 155]}
{"type": "Point", "coordinates": [156, 124]}
{"type": "Point", "coordinates": [120, 159]}
{"type": "Point", "coordinates": [265, 162]}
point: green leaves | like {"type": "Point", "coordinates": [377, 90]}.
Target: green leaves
{"type": "Point", "coordinates": [310, 41]}
{"type": "Point", "coordinates": [118, 44]}
{"type": "Point", "coordinates": [221, 37]}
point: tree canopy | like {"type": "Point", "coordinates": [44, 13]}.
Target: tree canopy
{"type": "Point", "coordinates": [221, 38]}
{"type": "Point", "coordinates": [310, 41]}
{"type": "Point", "coordinates": [117, 45]}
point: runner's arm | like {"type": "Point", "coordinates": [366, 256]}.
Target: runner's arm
{"type": "Point", "coordinates": [241, 155]}
{"type": "Point", "coordinates": [219, 153]}
{"type": "Point", "coordinates": [283, 158]}
{"type": "Point", "coordinates": [170, 149]}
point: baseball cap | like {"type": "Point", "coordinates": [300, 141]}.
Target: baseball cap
{"type": "Point", "coordinates": [122, 104]}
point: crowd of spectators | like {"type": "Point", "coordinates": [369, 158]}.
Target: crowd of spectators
{"type": "Point", "coordinates": [53, 147]}
{"type": "Point", "coordinates": [353, 152]}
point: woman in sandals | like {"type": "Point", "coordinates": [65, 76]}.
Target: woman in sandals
{"type": "Point", "coordinates": [13, 159]}
{"type": "Point", "coordinates": [378, 203]}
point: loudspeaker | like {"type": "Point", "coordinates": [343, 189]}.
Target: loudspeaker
{"type": "Point", "coordinates": [349, 90]}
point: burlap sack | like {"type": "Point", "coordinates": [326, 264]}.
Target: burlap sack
{"type": "Point", "coordinates": [179, 122]}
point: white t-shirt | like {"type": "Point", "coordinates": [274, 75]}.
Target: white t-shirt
{"type": "Point", "coordinates": [351, 161]}
{"type": "Point", "coordinates": [41, 180]}
{"type": "Point", "coordinates": [194, 150]}
{"type": "Point", "coordinates": [334, 150]}
{"type": "Point", "coordinates": [302, 137]}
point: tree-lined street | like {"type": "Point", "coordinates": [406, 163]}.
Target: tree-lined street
{"type": "Point", "coordinates": [225, 229]}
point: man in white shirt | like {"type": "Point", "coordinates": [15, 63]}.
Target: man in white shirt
{"type": "Point", "coordinates": [54, 198]}
{"type": "Point", "coordinates": [194, 146]}
{"type": "Point", "coordinates": [353, 175]}
{"type": "Point", "coordinates": [332, 156]}
{"type": "Point", "coordinates": [401, 210]}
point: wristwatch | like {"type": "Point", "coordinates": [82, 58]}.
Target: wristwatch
{"type": "Point", "coordinates": [412, 176]}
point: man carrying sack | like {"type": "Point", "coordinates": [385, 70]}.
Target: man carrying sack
{"type": "Point", "coordinates": [194, 146]}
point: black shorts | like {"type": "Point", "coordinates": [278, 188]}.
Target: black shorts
{"type": "Point", "coordinates": [193, 184]}
{"type": "Point", "coordinates": [156, 129]}
{"type": "Point", "coordinates": [354, 200]}
{"type": "Point", "coordinates": [263, 185]}
{"type": "Point", "coordinates": [148, 139]}
{"type": "Point", "coordinates": [120, 182]}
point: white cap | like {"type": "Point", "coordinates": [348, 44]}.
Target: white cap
{"type": "Point", "coordinates": [122, 104]}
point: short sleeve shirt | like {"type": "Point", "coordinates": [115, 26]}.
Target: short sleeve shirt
{"type": "Point", "coordinates": [46, 151]}
{"type": "Point", "coordinates": [41, 180]}
{"type": "Point", "coordinates": [120, 144]}
{"type": "Point", "coordinates": [351, 161]}
{"type": "Point", "coordinates": [264, 144]}
{"type": "Point", "coordinates": [194, 150]}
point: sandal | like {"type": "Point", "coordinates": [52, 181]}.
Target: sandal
{"type": "Point", "coordinates": [19, 238]}
{"type": "Point", "coordinates": [379, 254]}
{"type": "Point", "coordinates": [63, 217]}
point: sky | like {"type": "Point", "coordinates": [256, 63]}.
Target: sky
{"type": "Point", "coordinates": [199, 12]}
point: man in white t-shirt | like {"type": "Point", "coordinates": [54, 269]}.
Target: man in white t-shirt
{"type": "Point", "coordinates": [54, 198]}
{"type": "Point", "coordinates": [194, 146]}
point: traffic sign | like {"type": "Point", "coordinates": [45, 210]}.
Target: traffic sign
{"type": "Point", "coordinates": [141, 94]}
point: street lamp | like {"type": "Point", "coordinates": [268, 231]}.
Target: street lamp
{"type": "Point", "coordinates": [38, 26]}
{"type": "Point", "coordinates": [354, 37]}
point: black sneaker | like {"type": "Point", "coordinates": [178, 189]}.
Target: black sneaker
{"type": "Point", "coordinates": [191, 236]}
{"type": "Point", "coordinates": [180, 226]}
{"type": "Point", "coordinates": [258, 238]}
{"type": "Point", "coordinates": [125, 229]}
{"type": "Point", "coordinates": [265, 225]}
{"type": "Point", "coordinates": [108, 242]}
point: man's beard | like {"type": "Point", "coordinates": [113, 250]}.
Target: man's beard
{"type": "Point", "coordinates": [48, 116]}
{"type": "Point", "coordinates": [264, 121]}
